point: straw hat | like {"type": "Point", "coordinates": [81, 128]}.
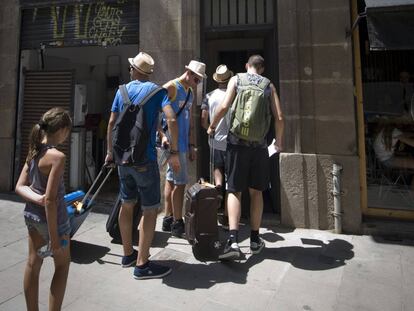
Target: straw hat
{"type": "Point", "coordinates": [143, 62]}
{"type": "Point", "coordinates": [198, 68]}
{"type": "Point", "coordinates": [222, 74]}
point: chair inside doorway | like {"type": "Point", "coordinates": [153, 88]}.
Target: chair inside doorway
{"type": "Point", "coordinates": [388, 186]}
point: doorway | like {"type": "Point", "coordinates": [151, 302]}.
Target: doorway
{"type": "Point", "coordinates": [233, 48]}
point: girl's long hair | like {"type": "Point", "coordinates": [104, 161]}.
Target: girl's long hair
{"type": "Point", "coordinates": [51, 121]}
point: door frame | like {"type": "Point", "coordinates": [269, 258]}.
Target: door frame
{"type": "Point", "coordinates": [365, 209]}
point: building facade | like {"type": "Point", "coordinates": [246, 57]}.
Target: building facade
{"type": "Point", "coordinates": [309, 54]}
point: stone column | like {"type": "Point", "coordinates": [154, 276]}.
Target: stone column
{"type": "Point", "coordinates": [9, 58]}
{"type": "Point", "coordinates": [316, 90]}
{"type": "Point", "coordinates": [169, 31]}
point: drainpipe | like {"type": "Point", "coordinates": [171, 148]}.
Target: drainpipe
{"type": "Point", "coordinates": [337, 212]}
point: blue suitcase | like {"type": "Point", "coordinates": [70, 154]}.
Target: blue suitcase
{"type": "Point", "coordinates": [73, 199]}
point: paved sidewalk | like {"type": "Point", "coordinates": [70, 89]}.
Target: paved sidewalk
{"type": "Point", "coordinates": [299, 270]}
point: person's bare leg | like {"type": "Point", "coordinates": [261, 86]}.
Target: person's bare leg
{"type": "Point", "coordinates": [218, 177]}
{"type": "Point", "coordinates": [146, 235]}
{"type": "Point", "coordinates": [32, 271]}
{"type": "Point", "coordinates": [60, 277]}
{"type": "Point", "coordinates": [125, 226]}
{"type": "Point", "coordinates": [219, 181]}
{"type": "Point", "coordinates": [256, 209]}
{"type": "Point", "coordinates": [178, 200]}
{"type": "Point", "coordinates": [226, 213]}
{"type": "Point", "coordinates": [168, 205]}
{"type": "Point", "coordinates": [234, 210]}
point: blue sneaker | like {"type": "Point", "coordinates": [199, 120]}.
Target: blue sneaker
{"type": "Point", "coordinates": [152, 271]}
{"type": "Point", "coordinates": [130, 260]}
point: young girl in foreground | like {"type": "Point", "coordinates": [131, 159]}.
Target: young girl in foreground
{"type": "Point", "coordinates": [41, 185]}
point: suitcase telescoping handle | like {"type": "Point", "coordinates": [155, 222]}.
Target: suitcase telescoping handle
{"type": "Point", "coordinates": [211, 167]}
{"type": "Point", "coordinates": [104, 167]}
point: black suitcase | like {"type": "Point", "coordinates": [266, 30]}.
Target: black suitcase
{"type": "Point", "coordinates": [202, 201]}
{"type": "Point", "coordinates": [112, 225]}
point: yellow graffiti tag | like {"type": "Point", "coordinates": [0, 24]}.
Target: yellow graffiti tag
{"type": "Point", "coordinates": [59, 19]}
{"type": "Point", "coordinates": [79, 13]}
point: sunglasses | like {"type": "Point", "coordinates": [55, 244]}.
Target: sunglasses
{"type": "Point", "coordinates": [196, 79]}
{"type": "Point", "coordinates": [130, 67]}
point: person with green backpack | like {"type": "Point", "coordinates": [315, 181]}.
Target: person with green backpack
{"type": "Point", "coordinates": [253, 100]}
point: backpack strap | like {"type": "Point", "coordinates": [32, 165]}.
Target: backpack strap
{"type": "Point", "coordinates": [125, 97]}
{"type": "Point", "coordinates": [127, 101]}
{"type": "Point", "coordinates": [165, 126]}
{"type": "Point", "coordinates": [242, 79]}
{"type": "Point", "coordinates": [150, 95]}
{"type": "Point", "coordinates": [185, 104]}
{"type": "Point", "coordinates": [264, 83]}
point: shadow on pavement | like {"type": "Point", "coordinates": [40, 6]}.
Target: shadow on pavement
{"type": "Point", "coordinates": [393, 239]}
{"type": "Point", "coordinates": [86, 253]}
{"type": "Point", "coordinates": [11, 196]}
{"type": "Point", "coordinates": [197, 276]}
{"type": "Point", "coordinates": [244, 233]}
{"type": "Point", "coordinates": [160, 239]}
{"type": "Point", "coordinates": [323, 256]}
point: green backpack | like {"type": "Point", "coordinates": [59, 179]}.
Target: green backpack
{"type": "Point", "coordinates": [251, 113]}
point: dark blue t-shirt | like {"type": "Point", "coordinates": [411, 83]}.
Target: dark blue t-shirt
{"type": "Point", "coordinates": [137, 91]}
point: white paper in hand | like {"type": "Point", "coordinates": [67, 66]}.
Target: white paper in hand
{"type": "Point", "coordinates": [272, 149]}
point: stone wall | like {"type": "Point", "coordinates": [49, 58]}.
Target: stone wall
{"type": "Point", "coordinates": [9, 55]}
{"type": "Point", "coordinates": [316, 90]}
{"type": "Point", "coordinates": [306, 191]}
{"type": "Point", "coordinates": [171, 36]}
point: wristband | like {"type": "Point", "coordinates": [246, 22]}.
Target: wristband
{"type": "Point", "coordinates": [172, 151]}
{"type": "Point", "coordinates": [109, 152]}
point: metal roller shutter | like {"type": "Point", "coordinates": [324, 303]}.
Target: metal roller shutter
{"type": "Point", "coordinates": [44, 90]}
{"type": "Point", "coordinates": [81, 23]}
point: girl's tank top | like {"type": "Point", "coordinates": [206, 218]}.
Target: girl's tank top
{"type": "Point", "coordinates": [38, 183]}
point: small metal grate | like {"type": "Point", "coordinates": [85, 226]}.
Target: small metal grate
{"type": "Point", "coordinates": [231, 13]}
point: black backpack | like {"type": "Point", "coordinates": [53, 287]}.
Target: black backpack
{"type": "Point", "coordinates": [130, 134]}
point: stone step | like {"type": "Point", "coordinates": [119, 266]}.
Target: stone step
{"type": "Point", "coordinates": [389, 229]}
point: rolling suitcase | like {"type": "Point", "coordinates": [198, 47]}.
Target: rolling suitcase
{"type": "Point", "coordinates": [202, 200]}
{"type": "Point", "coordinates": [79, 209]}
{"type": "Point", "coordinates": [112, 224]}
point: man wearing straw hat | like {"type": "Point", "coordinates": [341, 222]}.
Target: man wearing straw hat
{"type": "Point", "coordinates": [218, 144]}
{"type": "Point", "coordinates": [181, 96]}
{"type": "Point", "coordinates": [143, 179]}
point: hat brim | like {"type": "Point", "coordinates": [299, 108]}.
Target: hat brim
{"type": "Point", "coordinates": [201, 76]}
{"type": "Point", "coordinates": [222, 81]}
{"type": "Point", "coordinates": [130, 60]}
